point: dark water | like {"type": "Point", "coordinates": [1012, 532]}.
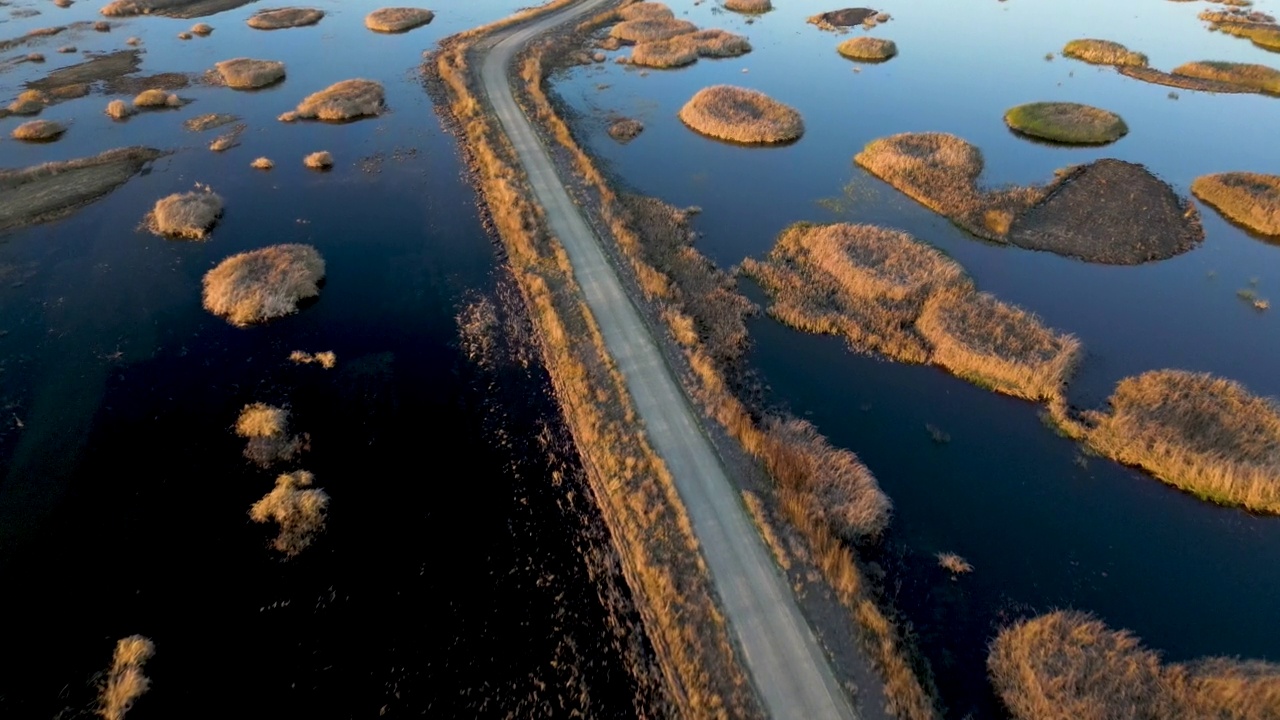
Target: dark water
{"type": "Point", "coordinates": [463, 572]}
{"type": "Point", "coordinates": [1044, 526]}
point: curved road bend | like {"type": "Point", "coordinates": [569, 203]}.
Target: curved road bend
{"type": "Point", "coordinates": [788, 668]}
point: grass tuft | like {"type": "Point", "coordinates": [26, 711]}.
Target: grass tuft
{"type": "Point", "coordinates": [953, 563]}
{"type": "Point", "coordinates": [868, 49]}
{"type": "Point", "coordinates": [29, 102]}
{"type": "Point", "coordinates": [262, 163]}
{"type": "Point", "coordinates": [624, 130]}
{"type": "Point", "coordinates": [156, 98]}
{"type": "Point", "coordinates": [322, 160]}
{"type": "Point", "coordinates": [259, 285]}
{"type": "Point", "coordinates": [247, 74]}
{"type": "Point", "coordinates": [741, 115]}
{"type": "Point", "coordinates": [748, 6]}
{"type": "Point", "coordinates": [297, 508]}
{"type": "Point", "coordinates": [185, 215]}
{"type": "Point", "coordinates": [261, 420]}
{"type": "Point", "coordinates": [326, 359]}
{"type": "Point", "coordinates": [650, 29]}
{"type": "Point", "coordinates": [125, 681]}
{"type": "Point", "coordinates": [1067, 122]}
{"type": "Point", "coordinates": [398, 19]}
{"type": "Point", "coordinates": [1249, 199]}
{"type": "Point", "coordinates": [201, 29]}
{"type": "Point", "coordinates": [645, 11]}
{"type": "Point", "coordinates": [39, 131]}
{"type": "Point", "coordinates": [1103, 52]}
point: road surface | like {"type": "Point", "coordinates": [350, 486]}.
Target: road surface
{"type": "Point", "coordinates": [788, 668]}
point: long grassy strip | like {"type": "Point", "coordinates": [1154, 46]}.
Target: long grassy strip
{"type": "Point", "coordinates": [638, 501]}
{"type": "Point", "coordinates": [704, 314]}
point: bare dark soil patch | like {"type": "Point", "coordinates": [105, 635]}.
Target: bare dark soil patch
{"type": "Point", "coordinates": [99, 69]}
{"type": "Point", "coordinates": [1110, 212]}
{"type": "Point", "coordinates": [847, 17]}
{"type": "Point", "coordinates": [47, 192]}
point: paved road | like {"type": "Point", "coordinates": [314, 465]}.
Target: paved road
{"type": "Point", "coordinates": [789, 670]}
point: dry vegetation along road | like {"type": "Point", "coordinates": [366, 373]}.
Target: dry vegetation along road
{"type": "Point", "coordinates": [790, 672]}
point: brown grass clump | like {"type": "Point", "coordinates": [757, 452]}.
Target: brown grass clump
{"type": "Point", "coordinates": [226, 142]}
{"type": "Point", "coordinates": [29, 102]}
{"type": "Point", "coordinates": [170, 8]}
{"type": "Point", "coordinates": [1103, 52]}
{"type": "Point", "coordinates": [1266, 36]}
{"type": "Point", "coordinates": [670, 53]}
{"type": "Point", "coordinates": [289, 17]}
{"type": "Point", "coordinates": [997, 345]}
{"type": "Point", "coordinates": [297, 508]}
{"type": "Point", "coordinates": [322, 160]}
{"type": "Point", "coordinates": [717, 43]}
{"type": "Point", "coordinates": [624, 130]}
{"type": "Point", "coordinates": [327, 359]}
{"type": "Point", "coordinates": [267, 429]}
{"type": "Point", "coordinates": [397, 19]}
{"type": "Point", "coordinates": [741, 115]}
{"type": "Point", "coordinates": [868, 49]}
{"type": "Point", "coordinates": [262, 163]}
{"type": "Point", "coordinates": [262, 284]}
{"type": "Point", "coordinates": [953, 563]}
{"type": "Point", "coordinates": [119, 109]}
{"type": "Point", "coordinates": [645, 11]}
{"type": "Point", "coordinates": [184, 35]}
{"type": "Point", "coordinates": [1206, 435]}
{"type": "Point", "coordinates": [125, 681]}
{"type": "Point", "coordinates": [648, 30]}
{"type": "Point", "coordinates": [248, 74]}
{"type": "Point", "coordinates": [346, 100]}
{"type": "Point", "coordinates": [748, 6]}
{"type": "Point", "coordinates": [202, 29]}
{"type": "Point", "coordinates": [39, 131]}
{"type": "Point", "coordinates": [185, 215]}
{"type": "Point", "coordinates": [1258, 78]}
{"type": "Point", "coordinates": [1068, 665]}
{"type": "Point", "coordinates": [1249, 199]}
{"type": "Point", "coordinates": [208, 121]}
{"type": "Point", "coordinates": [155, 98]}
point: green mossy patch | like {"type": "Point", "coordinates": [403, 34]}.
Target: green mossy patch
{"type": "Point", "coordinates": [1066, 122]}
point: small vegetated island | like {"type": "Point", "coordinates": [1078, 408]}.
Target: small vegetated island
{"type": "Point", "coordinates": [249, 74]}
{"type": "Point", "coordinates": [251, 287]}
{"type": "Point", "coordinates": [867, 49]}
{"type": "Point", "coordinates": [397, 19]}
{"type": "Point", "coordinates": [1107, 211]}
{"type": "Point", "coordinates": [740, 115]}
{"type": "Point", "coordinates": [189, 215]}
{"type": "Point", "coordinates": [53, 190]}
{"type": "Point", "coordinates": [288, 17]}
{"type": "Point", "coordinates": [1259, 28]}
{"type": "Point", "coordinates": [1248, 199]}
{"type": "Point", "coordinates": [39, 131]}
{"type": "Point", "coordinates": [1066, 122]}
{"type": "Point", "coordinates": [170, 8]}
{"type": "Point", "coordinates": [748, 6]}
{"type": "Point", "coordinates": [887, 292]}
{"type": "Point", "coordinates": [661, 41]}
{"type": "Point", "coordinates": [340, 102]}
{"type": "Point", "coordinates": [844, 18]}
{"type": "Point", "coordinates": [1068, 665]}
{"type": "Point", "coordinates": [1203, 75]}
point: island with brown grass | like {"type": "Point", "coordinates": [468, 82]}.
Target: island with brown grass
{"type": "Point", "coordinates": [728, 112]}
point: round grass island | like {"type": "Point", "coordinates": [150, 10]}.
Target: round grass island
{"type": "Point", "coordinates": [1066, 122]}
{"type": "Point", "coordinates": [740, 115]}
{"type": "Point", "coordinates": [867, 49]}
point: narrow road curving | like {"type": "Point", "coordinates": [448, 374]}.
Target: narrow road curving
{"type": "Point", "coordinates": [788, 668]}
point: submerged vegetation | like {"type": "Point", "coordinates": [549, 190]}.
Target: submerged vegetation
{"type": "Point", "coordinates": [341, 101]}
{"type": "Point", "coordinates": [297, 508]}
{"type": "Point", "coordinates": [1249, 199]}
{"type": "Point", "coordinates": [258, 285]}
{"type": "Point", "coordinates": [248, 74]}
{"type": "Point", "coordinates": [125, 682]}
{"type": "Point", "coordinates": [1067, 122]}
{"type": "Point", "coordinates": [741, 115]}
{"type": "Point", "coordinates": [868, 49]}
{"type": "Point", "coordinates": [47, 192]}
{"type": "Point", "coordinates": [1068, 665]}
{"type": "Point", "coordinates": [186, 215]}
{"type": "Point", "coordinates": [398, 19]}
{"type": "Point", "coordinates": [1206, 435]}
{"type": "Point", "coordinates": [1079, 214]}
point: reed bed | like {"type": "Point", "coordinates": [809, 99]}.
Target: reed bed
{"type": "Point", "coordinates": [398, 19]}
{"type": "Point", "coordinates": [733, 113]}
{"type": "Point", "coordinates": [249, 74]}
{"type": "Point", "coordinates": [1249, 199]}
{"type": "Point", "coordinates": [125, 681]}
{"type": "Point", "coordinates": [1250, 76]}
{"type": "Point", "coordinates": [259, 285]}
{"type": "Point", "coordinates": [1067, 122]}
{"type": "Point", "coordinates": [651, 29]}
{"type": "Point", "coordinates": [297, 508]}
{"type": "Point", "coordinates": [189, 215]}
{"type": "Point", "coordinates": [1103, 52]}
{"type": "Point", "coordinates": [280, 18]}
{"type": "Point", "coordinates": [341, 101]}
{"type": "Point", "coordinates": [867, 49]}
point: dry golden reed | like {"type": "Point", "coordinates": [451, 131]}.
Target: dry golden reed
{"type": "Point", "coordinates": [741, 115]}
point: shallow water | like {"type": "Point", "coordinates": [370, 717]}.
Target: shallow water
{"type": "Point", "coordinates": [1044, 526]}
{"type": "Point", "coordinates": [461, 572]}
